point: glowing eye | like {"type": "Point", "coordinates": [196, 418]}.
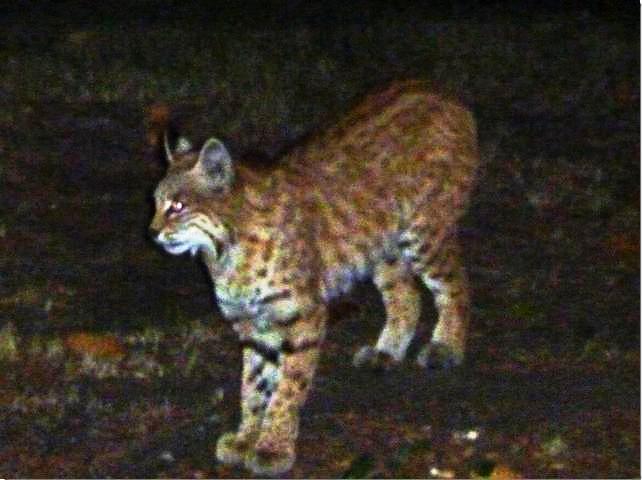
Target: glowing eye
{"type": "Point", "coordinates": [175, 207]}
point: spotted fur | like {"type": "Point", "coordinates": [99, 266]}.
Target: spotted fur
{"type": "Point", "coordinates": [377, 196]}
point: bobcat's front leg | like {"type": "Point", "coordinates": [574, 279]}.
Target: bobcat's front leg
{"type": "Point", "coordinates": [258, 373]}
{"type": "Point", "coordinates": [274, 451]}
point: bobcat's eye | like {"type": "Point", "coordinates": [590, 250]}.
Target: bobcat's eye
{"type": "Point", "coordinates": [175, 207]}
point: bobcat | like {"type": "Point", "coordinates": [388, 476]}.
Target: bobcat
{"type": "Point", "coordinates": [376, 196]}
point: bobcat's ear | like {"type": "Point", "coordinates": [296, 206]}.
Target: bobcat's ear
{"type": "Point", "coordinates": [215, 163]}
{"type": "Point", "coordinates": [183, 145]}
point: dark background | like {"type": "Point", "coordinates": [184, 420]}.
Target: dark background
{"type": "Point", "coordinates": [115, 360]}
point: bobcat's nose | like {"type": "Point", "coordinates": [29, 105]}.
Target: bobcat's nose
{"type": "Point", "coordinates": [153, 233]}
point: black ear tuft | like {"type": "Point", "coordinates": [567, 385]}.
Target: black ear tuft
{"type": "Point", "coordinates": [215, 162]}
{"type": "Point", "coordinates": [180, 145]}
{"type": "Point", "coordinates": [162, 131]}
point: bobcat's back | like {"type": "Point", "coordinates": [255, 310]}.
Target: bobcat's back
{"type": "Point", "coordinates": [397, 171]}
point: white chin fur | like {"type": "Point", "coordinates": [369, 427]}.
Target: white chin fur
{"type": "Point", "coordinates": [191, 241]}
{"type": "Point", "coordinates": [177, 249]}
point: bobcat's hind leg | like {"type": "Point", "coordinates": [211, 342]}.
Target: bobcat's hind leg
{"type": "Point", "coordinates": [402, 303]}
{"type": "Point", "coordinates": [446, 278]}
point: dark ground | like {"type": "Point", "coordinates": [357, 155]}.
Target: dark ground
{"type": "Point", "coordinates": [112, 361]}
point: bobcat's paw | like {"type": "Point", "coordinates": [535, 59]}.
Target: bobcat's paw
{"type": "Point", "coordinates": [269, 461]}
{"type": "Point", "coordinates": [232, 450]}
{"type": "Point", "coordinates": [373, 359]}
{"type": "Point", "coordinates": [439, 356]}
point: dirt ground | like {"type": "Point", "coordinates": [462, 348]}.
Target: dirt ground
{"type": "Point", "coordinates": [114, 359]}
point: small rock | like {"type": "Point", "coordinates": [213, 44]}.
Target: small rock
{"type": "Point", "coordinates": [439, 473]}
{"type": "Point", "coordinates": [167, 456]}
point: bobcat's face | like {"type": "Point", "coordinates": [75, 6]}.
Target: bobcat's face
{"type": "Point", "coordinates": [186, 219]}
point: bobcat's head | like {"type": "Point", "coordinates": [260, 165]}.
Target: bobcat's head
{"type": "Point", "coordinates": [190, 199]}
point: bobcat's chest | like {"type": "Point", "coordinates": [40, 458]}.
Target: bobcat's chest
{"type": "Point", "coordinates": [241, 294]}
{"type": "Point", "coordinates": [235, 304]}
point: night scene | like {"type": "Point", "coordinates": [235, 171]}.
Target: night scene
{"type": "Point", "coordinates": [291, 239]}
